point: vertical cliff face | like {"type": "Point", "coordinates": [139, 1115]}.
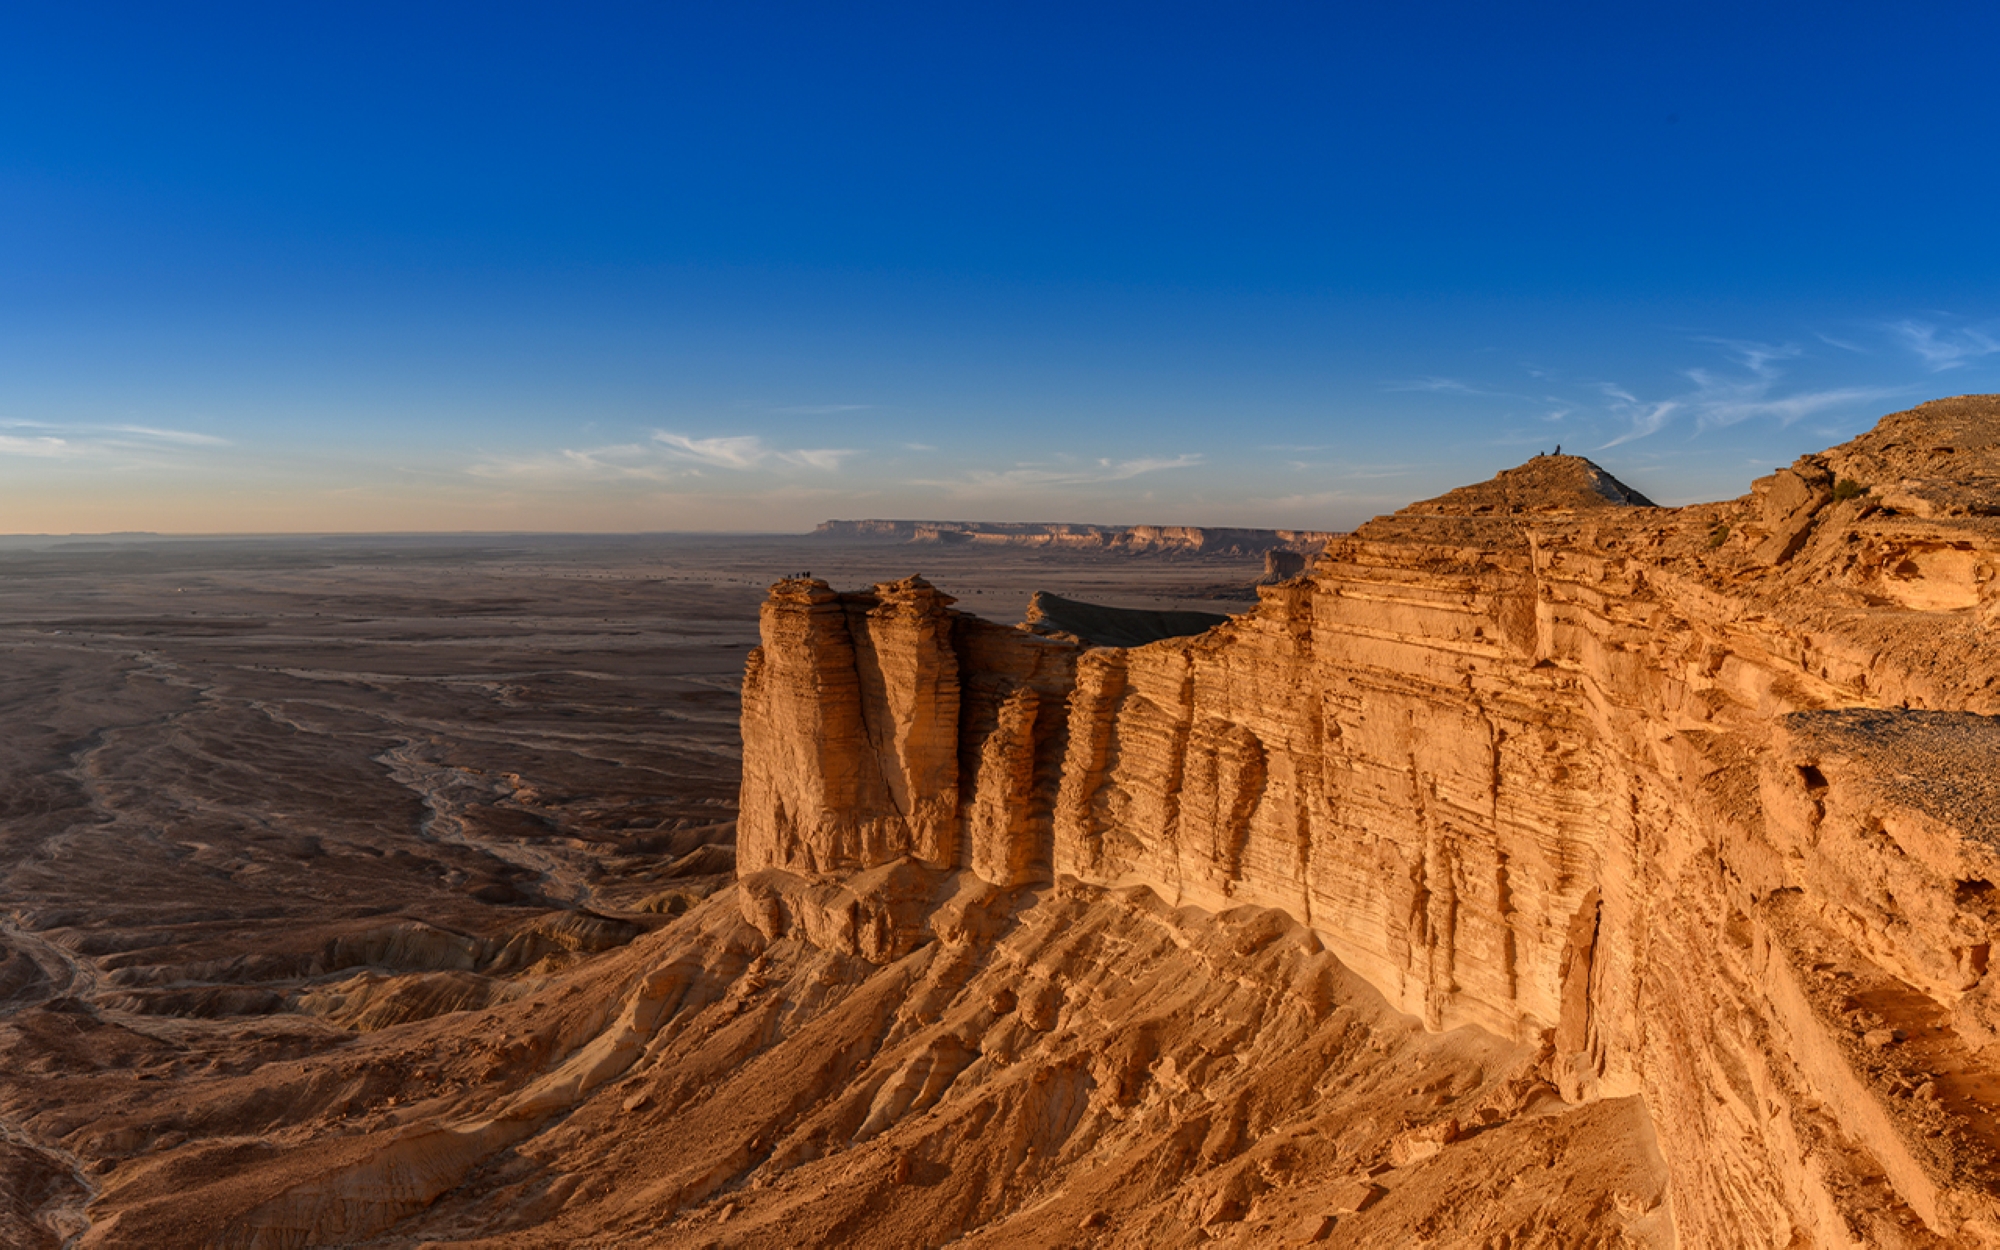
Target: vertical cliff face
{"type": "Point", "coordinates": [897, 728]}
{"type": "Point", "coordinates": [1011, 744]}
{"type": "Point", "coordinates": [1696, 799]}
{"type": "Point", "coordinates": [859, 696]}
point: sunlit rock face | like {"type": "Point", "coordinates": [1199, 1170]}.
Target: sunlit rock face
{"type": "Point", "coordinates": [856, 701]}
{"type": "Point", "coordinates": [1692, 799]}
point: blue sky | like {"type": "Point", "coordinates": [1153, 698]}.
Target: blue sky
{"type": "Point", "coordinates": [592, 267]}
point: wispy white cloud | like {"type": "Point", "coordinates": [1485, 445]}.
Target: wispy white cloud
{"type": "Point", "coordinates": [1105, 470]}
{"type": "Point", "coordinates": [184, 437]}
{"type": "Point", "coordinates": [1722, 398]}
{"type": "Point", "coordinates": [1449, 386]}
{"type": "Point", "coordinates": [820, 410]}
{"type": "Point", "coordinates": [1642, 420]}
{"type": "Point", "coordinates": [1028, 477]}
{"type": "Point", "coordinates": [54, 440]}
{"type": "Point", "coordinates": [1307, 500]}
{"type": "Point", "coordinates": [667, 457]}
{"type": "Point", "coordinates": [627, 461]}
{"type": "Point", "coordinates": [1456, 386]}
{"type": "Point", "coordinates": [41, 446]}
{"type": "Point", "coordinates": [743, 452]}
{"type": "Point", "coordinates": [826, 458]}
{"type": "Point", "coordinates": [1718, 398]}
{"type": "Point", "coordinates": [1723, 402]}
{"type": "Point", "coordinates": [1944, 347]}
{"type": "Point", "coordinates": [1759, 358]}
{"type": "Point", "coordinates": [1843, 345]}
{"type": "Point", "coordinates": [1344, 470]}
{"type": "Point", "coordinates": [1117, 470]}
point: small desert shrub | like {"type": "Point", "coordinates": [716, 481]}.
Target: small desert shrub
{"type": "Point", "coordinates": [1718, 536]}
{"type": "Point", "coordinates": [1847, 488]}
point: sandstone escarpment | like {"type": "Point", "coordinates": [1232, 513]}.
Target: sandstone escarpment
{"type": "Point", "coordinates": [1692, 799]}
{"type": "Point", "coordinates": [1120, 539]}
{"type": "Point", "coordinates": [869, 688]}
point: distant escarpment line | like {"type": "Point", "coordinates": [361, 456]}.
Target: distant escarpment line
{"type": "Point", "coordinates": [1123, 539]}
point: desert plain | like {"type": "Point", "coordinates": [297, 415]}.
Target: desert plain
{"type": "Point", "coordinates": [266, 797]}
{"type": "Point", "coordinates": [1533, 866]}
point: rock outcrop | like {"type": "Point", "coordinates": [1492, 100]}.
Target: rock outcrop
{"type": "Point", "coordinates": [889, 726]}
{"type": "Point", "coordinates": [1120, 539]}
{"type": "Point", "coordinates": [1697, 801]}
{"type": "Point", "coordinates": [1283, 566]}
{"type": "Point", "coordinates": [1098, 626]}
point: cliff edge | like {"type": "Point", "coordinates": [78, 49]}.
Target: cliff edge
{"type": "Point", "coordinates": [1691, 802]}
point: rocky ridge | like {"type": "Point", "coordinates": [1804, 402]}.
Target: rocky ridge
{"type": "Point", "coordinates": [1688, 802]}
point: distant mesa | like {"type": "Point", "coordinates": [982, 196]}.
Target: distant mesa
{"type": "Point", "coordinates": [1281, 565]}
{"type": "Point", "coordinates": [1122, 539]}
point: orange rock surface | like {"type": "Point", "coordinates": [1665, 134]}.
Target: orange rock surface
{"type": "Point", "coordinates": [1696, 801]}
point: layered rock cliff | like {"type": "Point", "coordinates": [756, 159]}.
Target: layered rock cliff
{"type": "Point", "coordinates": [1695, 803]}
{"type": "Point", "coordinates": [1121, 539]}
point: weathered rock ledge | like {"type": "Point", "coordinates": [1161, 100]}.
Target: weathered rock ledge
{"type": "Point", "coordinates": [1697, 799]}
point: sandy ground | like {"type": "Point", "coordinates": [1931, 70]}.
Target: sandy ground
{"type": "Point", "coordinates": [250, 788]}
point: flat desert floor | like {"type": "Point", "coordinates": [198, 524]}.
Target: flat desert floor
{"type": "Point", "coordinates": [241, 781]}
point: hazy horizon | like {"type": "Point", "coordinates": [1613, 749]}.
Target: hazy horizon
{"type": "Point", "coordinates": [805, 530]}
{"type": "Point", "coordinates": [625, 270]}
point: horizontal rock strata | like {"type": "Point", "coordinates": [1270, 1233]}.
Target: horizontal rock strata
{"type": "Point", "coordinates": [1122, 539]}
{"type": "Point", "coordinates": [1697, 799]}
